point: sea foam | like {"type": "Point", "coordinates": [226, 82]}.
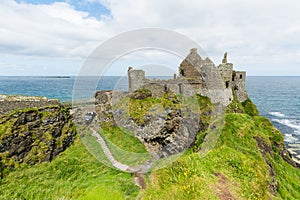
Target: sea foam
{"type": "Point", "coordinates": [277, 114]}
{"type": "Point", "coordinates": [294, 124]}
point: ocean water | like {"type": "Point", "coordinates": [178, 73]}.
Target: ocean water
{"type": "Point", "coordinates": [277, 98]}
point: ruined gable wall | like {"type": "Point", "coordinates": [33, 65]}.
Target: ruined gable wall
{"type": "Point", "coordinates": [188, 70]}
{"type": "Point", "coordinates": [190, 67]}
{"type": "Point", "coordinates": [216, 89]}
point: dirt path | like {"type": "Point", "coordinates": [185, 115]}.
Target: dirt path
{"type": "Point", "coordinates": [139, 170]}
{"type": "Point", "coordinates": [224, 192]}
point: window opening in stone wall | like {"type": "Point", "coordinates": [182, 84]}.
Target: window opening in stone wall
{"type": "Point", "coordinates": [233, 77]}
{"type": "Point", "coordinates": [227, 84]}
{"type": "Point", "coordinates": [241, 76]}
{"type": "Point", "coordinates": [180, 88]}
{"type": "Point", "coordinates": [182, 72]}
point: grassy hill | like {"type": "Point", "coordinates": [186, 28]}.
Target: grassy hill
{"type": "Point", "coordinates": [249, 161]}
{"type": "Point", "coordinates": [236, 168]}
{"type": "Point", "coordinates": [75, 174]}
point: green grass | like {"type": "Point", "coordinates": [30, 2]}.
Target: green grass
{"type": "Point", "coordinates": [128, 157]}
{"type": "Point", "coordinates": [124, 139]}
{"type": "Point", "coordinates": [95, 194]}
{"type": "Point", "coordinates": [237, 157]}
{"type": "Point", "coordinates": [132, 154]}
{"type": "Point", "coordinates": [95, 149]}
{"type": "Point", "coordinates": [74, 174]}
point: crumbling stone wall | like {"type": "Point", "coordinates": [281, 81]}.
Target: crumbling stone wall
{"type": "Point", "coordinates": [226, 70]}
{"type": "Point", "coordinates": [136, 79]}
{"type": "Point", "coordinates": [196, 76]}
{"type": "Point", "coordinates": [11, 103]}
{"type": "Point", "coordinates": [104, 100]}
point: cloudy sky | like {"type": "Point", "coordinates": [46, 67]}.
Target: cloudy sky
{"type": "Point", "coordinates": [54, 37]}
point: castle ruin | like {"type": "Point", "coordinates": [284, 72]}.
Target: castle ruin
{"type": "Point", "coordinates": [168, 130]}
{"type": "Point", "coordinates": [196, 76]}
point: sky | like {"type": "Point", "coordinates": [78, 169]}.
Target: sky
{"type": "Point", "coordinates": [55, 37]}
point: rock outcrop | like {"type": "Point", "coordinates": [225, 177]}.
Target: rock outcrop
{"type": "Point", "coordinates": [35, 135]}
{"type": "Point", "coordinates": [165, 125]}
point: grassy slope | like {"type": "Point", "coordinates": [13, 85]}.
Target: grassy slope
{"type": "Point", "coordinates": [235, 165]}
{"type": "Point", "coordinates": [236, 159]}
{"type": "Point", "coordinates": [75, 173]}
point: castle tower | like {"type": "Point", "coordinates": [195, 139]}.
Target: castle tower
{"type": "Point", "coordinates": [136, 79]}
{"type": "Point", "coordinates": [239, 85]}
{"type": "Point", "coordinates": [226, 71]}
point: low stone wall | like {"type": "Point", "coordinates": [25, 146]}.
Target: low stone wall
{"type": "Point", "coordinates": [11, 103]}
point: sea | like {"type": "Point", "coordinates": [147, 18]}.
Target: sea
{"type": "Point", "coordinates": [277, 98]}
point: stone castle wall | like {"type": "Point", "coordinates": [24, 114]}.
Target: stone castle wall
{"type": "Point", "coordinates": [136, 79]}
{"type": "Point", "coordinates": [239, 85]}
{"type": "Point", "coordinates": [196, 76]}
{"type": "Point", "coordinates": [226, 70]}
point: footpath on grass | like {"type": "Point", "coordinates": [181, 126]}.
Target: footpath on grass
{"type": "Point", "coordinates": [138, 170]}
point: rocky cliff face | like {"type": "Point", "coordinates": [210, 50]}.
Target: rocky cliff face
{"type": "Point", "coordinates": [34, 135]}
{"type": "Point", "coordinates": [166, 125]}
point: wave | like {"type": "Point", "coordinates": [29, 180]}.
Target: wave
{"type": "Point", "coordinates": [294, 124]}
{"type": "Point", "coordinates": [290, 138]}
{"type": "Point", "coordinates": [277, 114]}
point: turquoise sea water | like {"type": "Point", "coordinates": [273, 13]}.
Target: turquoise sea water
{"type": "Point", "coordinates": [277, 98]}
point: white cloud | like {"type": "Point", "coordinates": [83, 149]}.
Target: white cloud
{"type": "Point", "coordinates": [48, 30]}
{"type": "Point", "coordinates": [259, 36]}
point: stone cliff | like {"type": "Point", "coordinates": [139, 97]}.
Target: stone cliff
{"type": "Point", "coordinates": [166, 125]}
{"type": "Point", "coordinates": [34, 135]}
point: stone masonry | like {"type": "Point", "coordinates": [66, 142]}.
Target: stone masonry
{"type": "Point", "coordinates": [196, 76]}
{"type": "Point", "coordinates": [169, 130]}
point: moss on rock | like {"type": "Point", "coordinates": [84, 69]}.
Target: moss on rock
{"type": "Point", "coordinates": [34, 135]}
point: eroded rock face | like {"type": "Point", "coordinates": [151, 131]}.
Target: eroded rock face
{"type": "Point", "coordinates": [165, 128]}
{"type": "Point", "coordinates": [35, 135]}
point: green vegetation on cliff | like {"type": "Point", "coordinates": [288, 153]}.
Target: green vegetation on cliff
{"type": "Point", "coordinates": [36, 135]}
{"type": "Point", "coordinates": [75, 174]}
{"type": "Point", "coordinates": [248, 161]}
{"type": "Point", "coordinates": [246, 107]}
{"type": "Point", "coordinates": [36, 163]}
